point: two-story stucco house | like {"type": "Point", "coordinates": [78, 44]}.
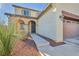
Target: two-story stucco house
{"type": "Point", "coordinates": [54, 22]}
{"type": "Point", "coordinates": [23, 18]}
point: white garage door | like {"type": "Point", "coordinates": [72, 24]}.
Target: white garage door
{"type": "Point", "coordinates": [70, 28]}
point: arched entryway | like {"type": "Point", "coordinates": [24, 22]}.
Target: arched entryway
{"type": "Point", "coordinates": [32, 27]}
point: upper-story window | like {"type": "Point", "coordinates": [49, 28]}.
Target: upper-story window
{"type": "Point", "coordinates": [26, 12]}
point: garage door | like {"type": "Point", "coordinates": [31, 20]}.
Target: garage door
{"type": "Point", "coordinates": [70, 25]}
{"type": "Point", "coordinates": [70, 28]}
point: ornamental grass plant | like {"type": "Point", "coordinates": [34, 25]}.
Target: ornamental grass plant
{"type": "Point", "coordinates": [7, 40]}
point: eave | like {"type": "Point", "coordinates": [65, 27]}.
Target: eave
{"type": "Point", "coordinates": [20, 16]}
{"type": "Point", "coordinates": [45, 10]}
{"type": "Point", "coordinates": [71, 16]}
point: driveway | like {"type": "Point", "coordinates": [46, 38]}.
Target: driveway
{"type": "Point", "coordinates": [68, 49]}
{"type": "Point", "coordinates": [63, 50]}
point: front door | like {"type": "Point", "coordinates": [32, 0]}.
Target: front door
{"type": "Point", "coordinates": [33, 27]}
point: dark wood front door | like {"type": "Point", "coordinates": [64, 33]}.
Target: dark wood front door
{"type": "Point", "coordinates": [33, 27]}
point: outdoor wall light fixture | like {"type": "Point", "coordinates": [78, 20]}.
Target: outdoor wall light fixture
{"type": "Point", "coordinates": [61, 17]}
{"type": "Point", "coordinates": [54, 10]}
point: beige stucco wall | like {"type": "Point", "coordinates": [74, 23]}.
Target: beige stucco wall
{"type": "Point", "coordinates": [14, 20]}
{"type": "Point", "coordinates": [70, 7]}
{"type": "Point", "coordinates": [18, 11]}
{"type": "Point", "coordinates": [47, 24]}
{"type": "Point", "coordinates": [34, 13]}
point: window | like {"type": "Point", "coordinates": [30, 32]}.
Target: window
{"type": "Point", "coordinates": [26, 12]}
{"type": "Point", "coordinates": [22, 25]}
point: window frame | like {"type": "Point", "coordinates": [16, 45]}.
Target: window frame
{"type": "Point", "coordinates": [26, 12]}
{"type": "Point", "coordinates": [22, 26]}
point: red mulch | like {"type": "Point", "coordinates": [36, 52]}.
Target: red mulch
{"type": "Point", "coordinates": [25, 48]}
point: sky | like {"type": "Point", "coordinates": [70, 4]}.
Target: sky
{"type": "Point", "coordinates": [7, 7]}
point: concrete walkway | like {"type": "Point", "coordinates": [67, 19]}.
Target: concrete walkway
{"type": "Point", "coordinates": [39, 41]}
{"type": "Point", "coordinates": [68, 49]}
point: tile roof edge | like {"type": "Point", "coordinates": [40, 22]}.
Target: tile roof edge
{"type": "Point", "coordinates": [9, 14]}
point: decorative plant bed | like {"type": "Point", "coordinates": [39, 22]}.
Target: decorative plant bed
{"type": "Point", "coordinates": [25, 48]}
